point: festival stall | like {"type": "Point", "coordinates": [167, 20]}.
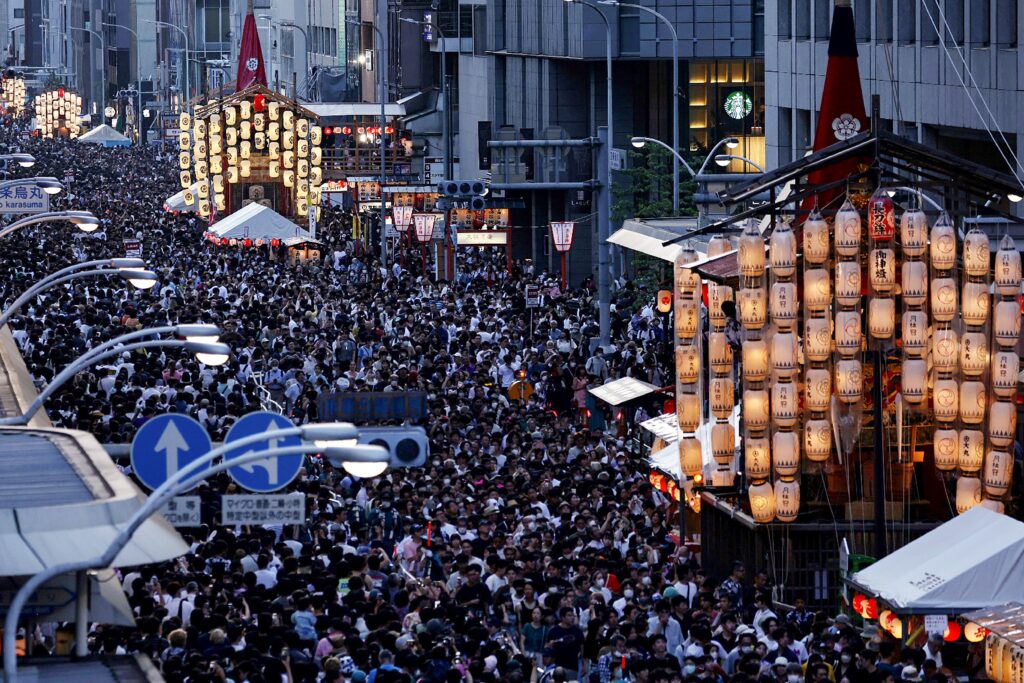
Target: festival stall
{"type": "Point", "coordinates": [259, 226]}
{"type": "Point", "coordinates": [106, 136]}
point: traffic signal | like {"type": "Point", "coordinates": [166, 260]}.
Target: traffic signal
{"type": "Point", "coordinates": [468, 191]}
{"type": "Point", "coordinates": [408, 446]}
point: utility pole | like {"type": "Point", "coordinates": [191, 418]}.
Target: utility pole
{"type": "Point", "coordinates": [604, 218]}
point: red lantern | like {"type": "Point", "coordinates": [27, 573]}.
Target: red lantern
{"type": "Point", "coordinates": [389, 130]}
{"type": "Point", "coordinates": [346, 130]}
{"type": "Point", "coordinates": [247, 242]}
{"type": "Point", "coordinates": [259, 103]}
{"type": "Point", "coordinates": [60, 93]}
{"type": "Point", "coordinates": [952, 632]}
{"type": "Point", "coordinates": [233, 242]}
{"type": "Point", "coordinates": [870, 609]}
{"type": "Point", "coordinates": [327, 130]}
{"type": "Point", "coordinates": [664, 301]}
{"type": "Point", "coordinates": [223, 241]}
{"type": "Point", "coordinates": [858, 603]}
{"type": "Point", "coordinates": [275, 243]}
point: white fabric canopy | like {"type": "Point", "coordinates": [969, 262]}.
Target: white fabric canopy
{"type": "Point", "coordinates": [176, 202]}
{"type": "Point", "coordinates": [256, 221]}
{"type": "Point", "coordinates": [622, 390]}
{"type": "Point", "coordinates": [106, 136]}
{"type": "Point", "coordinates": [972, 561]}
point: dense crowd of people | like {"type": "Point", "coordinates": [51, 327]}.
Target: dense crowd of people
{"type": "Point", "coordinates": [531, 547]}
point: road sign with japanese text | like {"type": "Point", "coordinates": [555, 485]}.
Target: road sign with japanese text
{"type": "Point", "coordinates": [183, 511]}
{"type": "Point", "coordinates": [284, 508]}
{"type": "Point", "coordinates": [26, 198]}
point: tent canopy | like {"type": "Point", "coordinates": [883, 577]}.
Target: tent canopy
{"type": "Point", "coordinates": [176, 202]}
{"type": "Point", "coordinates": [622, 390]}
{"type": "Point", "coordinates": [106, 136]}
{"type": "Point", "coordinates": [973, 561]}
{"type": "Point", "coordinates": [256, 221]}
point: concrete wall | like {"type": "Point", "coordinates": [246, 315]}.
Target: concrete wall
{"type": "Point", "coordinates": [473, 84]}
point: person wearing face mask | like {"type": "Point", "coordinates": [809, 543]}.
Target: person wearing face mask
{"type": "Point", "coordinates": [628, 594]}
{"type": "Point", "coordinates": [794, 673]}
{"type": "Point", "coordinates": [744, 647]}
{"type": "Point", "coordinates": [845, 667]}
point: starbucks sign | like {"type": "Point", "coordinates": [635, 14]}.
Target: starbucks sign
{"type": "Point", "coordinates": [738, 104]}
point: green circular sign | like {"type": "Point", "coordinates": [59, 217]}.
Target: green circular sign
{"type": "Point", "coordinates": [738, 104]}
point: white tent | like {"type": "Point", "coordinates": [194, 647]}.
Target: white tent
{"type": "Point", "coordinates": [256, 221]}
{"type": "Point", "coordinates": [972, 561]}
{"type": "Point", "coordinates": [176, 202]}
{"type": "Point", "coordinates": [106, 136]}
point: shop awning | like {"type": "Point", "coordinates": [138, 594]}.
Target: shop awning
{"type": "Point", "coordinates": [354, 109]}
{"type": "Point", "coordinates": [623, 390]}
{"type": "Point", "coordinates": [648, 238]}
{"type": "Point", "coordinates": [973, 561]}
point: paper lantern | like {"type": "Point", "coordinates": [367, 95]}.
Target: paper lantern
{"type": "Point", "coordinates": [755, 360]}
{"type": "Point", "coordinates": [975, 303]}
{"type": "Point", "coordinates": [848, 288]}
{"type": "Point", "coordinates": [288, 178]}
{"type": "Point", "coordinates": [869, 608]}
{"type": "Point", "coordinates": [974, 633]}
{"type": "Point", "coordinates": [783, 354]}
{"type": "Point", "coordinates": [273, 110]}
{"type": "Point", "coordinates": [186, 179]}
{"type": "Point", "coordinates": [818, 339]}
{"type": "Point", "coordinates": [817, 289]}
{"type": "Point", "coordinates": [973, 354]}
{"type": "Point", "coordinates": [232, 175]}
{"type": "Point", "coordinates": [1007, 269]}
{"type": "Point", "coordinates": [882, 270]}
{"type": "Point", "coordinates": [723, 443]}
{"type": "Point", "coordinates": [848, 333]}
{"type": "Point", "coordinates": [184, 120]}
{"type": "Point", "coordinates": [972, 402]}
{"type": "Point", "coordinates": [784, 305]}
{"type": "Point", "coordinates": [1005, 371]}
{"type": "Point", "coordinates": [787, 500]}
{"type": "Point", "coordinates": [1006, 323]}
{"type": "Point", "coordinates": [687, 364]}
{"type": "Point", "coordinates": [687, 317]}
{"type": "Point", "coordinates": [687, 280]}
{"type": "Point", "coordinates": [751, 256]}
{"type": "Point", "coordinates": [946, 444]}
{"type": "Point", "coordinates": [998, 473]}
{"type": "Point", "coordinates": [786, 452]}
{"type": "Point", "coordinates": [719, 352]}
{"type": "Point", "coordinates": [849, 378]}
{"type": "Point", "coordinates": [274, 169]}
{"type": "Point", "coordinates": [762, 502]}
{"type": "Point", "coordinates": [783, 250]}
{"type": "Point", "coordinates": [1002, 424]}
{"type": "Point", "coordinates": [755, 408]}
{"type": "Point", "coordinates": [881, 217]}
{"type": "Point", "coordinates": [976, 253]}
{"type": "Point", "coordinates": [914, 332]}
{"type": "Point", "coordinates": [914, 232]}
{"type": "Point", "coordinates": [848, 230]}
{"type": "Point", "coordinates": [817, 440]}
{"type": "Point", "coordinates": [945, 350]}
{"type": "Point", "coordinates": [718, 245]}
{"type": "Point", "coordinates": [817, 389]}
{"type": "Point", "coordinates": [757, 457]}
{"type": "Point", "coordinates": [203, 188]}
{"type": "Point", "coordinates": [952, 632]}
{"type": "Point", "coordinates": [723, 397]}
{"type": "Point", "coordinates": [753, 308]}
{"type": "Point", "coordinates": [245, 168]}
{"type": "Point", "coordinates": [944, 299]}
{"type": "Point", "coordinates": [815, 239]}
{"type": "Point", "coordinates": [785, 405]}
{"type": "Point", "coordinates": [970, 449]}
{"type": "Point", "coordinates": [688, 412]}
{"type": "Point", "coordinates": [664, 300]}
{"type": "Point", "coordinates": [943, 251]}
{"type": "Point", "coordinates": [914, 281]}
{"type": "Point", "coordinates": [882, 318]}
{"type": "Point", "coordinates": [717, 295]}
{"type": "Point", "coordinates": [691, 461]}
{"type": "Point", "coordinates": [914, 380]}
{"type": "Point", "coordinates": [946, 400]}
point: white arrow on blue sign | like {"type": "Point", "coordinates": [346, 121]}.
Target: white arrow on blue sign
{"type": "Point", "coordinates": [166, 444]}
{"type": "Point", "coordinates": [271, 473]}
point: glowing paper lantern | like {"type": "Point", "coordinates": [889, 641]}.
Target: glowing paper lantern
{"type": "Point", "coordinates": [848, 288]}
{"type": "Point", "coordinates": [971, 450]}
{"type": "Point", "coordinates": [1005, 373]}
{"type": "Point", "coordinates": [786, 450]}
{"type": "Point", "coordinates": [882, 270]}
{"type": "Point", "coordinates": [818, 439]}
{"type": "Point", "coordinates": [976, 253]}
{"type": "Point", "coordinates": [1006, 323]}
{"type": "Point", "coordinates": [998, 473]}
{"type": "Point", "coordinates": [751, 252]}
{"type": "Point", "coordinates": [945, 350]}
{"type": "Point", "coordinates": [717, 295]}
{"type": "Point", "coordinates": [723, 396]}
{"type": "Point", "coordinates": [784, 304]}
{"type": "Point", "coordinates": [849, 378]}
{"type": "Point", "coordinates": [783, 250]}
{"type": "Point", "coordinates": [687, 318]}
{"type": "Point", "coordinates": [1002, 424]}
{"type": "Point", "coordinates": [815, 239]}
{"type": "Point", "coordinates": [915, 333]}
{"type": "Point", "coordinates": [757, 457]}
{"type": "Point", "coordinates": [914, 380]}
{"type": "Point", "coordinates": [848, 230]}
{"type": "Point", "coordinates": [785, 405]}
{"type": "Point", "coordinates": [882, 318]}
{"type": "Point", "coordinates": [972, 402]}
{"type": "Point", "coordinates": [944, 299]}
{"type": "Point", "coordinates": [719, 352]}
{"type": "Point", "coordinates": [762, 502]}
{"type": "Point", "coordinates": [817, 389]}
{"type": "Point", "coordinates": [915, 283]}
{"type": "Point", "coordinates": [946, 400]}
{"type": "Point", "coordinates": [946, 447]}
{"type": "Point", "coordinates": [975, 303]}
{"type": "Point", "coordinates": [817, 289]}
{"type": "Point", "coordinates": [755, 408]}
{"type": "Point", "coordinates": [718, 245]}
{"type": "Point", "coordinates": [753, 308]}
{"type": "Point", "coordinates": [818, 339]}
{"type": "Point", "coordinates": [690, 459]}
{"type": "Point", "coordinates": [869, 608]}
{"type": "Point", "coordinates": [783, 354]}
{"type": "Point", "coordinates": [952, 632]}
{"type": "Point", "coordinates": [688, 412]}
{"type": "Point", "coordinates": [914, 232]}
{"type": "Point", "coordinates": [687, 364]}
{"type": "Point", "coordinates": [723, 443]}
{"type": "Point", "coordinates": [943, 251]}
{"type": "Point", "coordinates": [787, 500]}
{"type": "Point", "coordinates": [755, 360]}
{"type": "Point", "coordinates": [973, 354]}
{"type": "Point", "coordinates": [1007, 272]}
{"type": "Point", "coordinates": [974, 633]}
{"type": "Point", "coordinates": [848, 333]}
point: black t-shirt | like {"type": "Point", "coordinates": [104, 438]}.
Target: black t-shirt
{"type": "Point", "coordinates": [567, 644]}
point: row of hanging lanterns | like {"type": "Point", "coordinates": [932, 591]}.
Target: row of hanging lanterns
{"type": "Point", "coordinates": [244, 242]}
{"type": "Point", "coordinates": [689, 407]}
{"type": "Point", "coordinates": [959, 363]}
{"type": "Point", "coordinates": [868, 609]}
{"type": "Point", "coordinates": [227, 142]}
{"type": "Point", "coordinates": [1004, 660]}
{"type": "Point", "coordinates": [57, 111]}
{"type": "Point", "coordinates": [13, 93]}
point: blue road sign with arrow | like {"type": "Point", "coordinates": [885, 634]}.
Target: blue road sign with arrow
{"type": "Point", "coordinates": [166, 444]}
{"type": "Point", "coordinates": [271, 473]}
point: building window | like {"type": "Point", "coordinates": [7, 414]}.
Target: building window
{"type": "Point", "coordinates": [883, 21]}
{"type": "Point", "coordinates": [803, 21]}
{"type": "Point", "coordinates": [822, 20]}
{"type": "Point", "coordinates": [19, 12]}
{"type": "Point", "coordinates": [480, 30]}
{"type": "Point", "coordinates": [758, 27]}
{"type": "Point", "coordinates": [1006, 23]}
{"type": "Point", "coordinates": [955, 21]}
{"type": "Point", "coordinates": [981, 27]}
{"type": "Point", "coordinates": [930, 22]}
{"type": "Point", "coordinates": [629, 30]}
{"type": "Point", "coordinates": [785, 128]}
{"type": "Point", "coordinates": [862, 20]}
{"type": "Point", "coordinates": [785, 20]}
{"type": "Point", "coordinates": [906, 26]}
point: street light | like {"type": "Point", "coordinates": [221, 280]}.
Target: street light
{"type": "Point", "coordinates": [20, 158]}
{"type": "Point", "coordinates": [724, 159]}
{"type": "Point", "coordinates": [730, 143]}
{"type": "Point", "coordinates": [188, 88]}
{"type": "Point", "coordinates": [47, 184]}
{"type": "Point", "coordinates": [675, 90]}
{"type": "Point", "coordinates": [382, 78]}
{"type": "Point", "coordinates": [103, 63]}
{"type": "Point", "coordinates": [85, 221]}
{"type": "Point", "coordinates": [305, 51]}
{"type": "Point", "coordinates": [445, 132]}
{"type": "Point", "coordinates": [184, 480]}
{"type": "Point", "coordinates": [138, 67]}
{"type": "Point", "coordinates": [639, 142]}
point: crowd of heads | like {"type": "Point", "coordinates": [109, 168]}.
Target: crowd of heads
{"type": "Point", "coordinates": [531, 545]}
